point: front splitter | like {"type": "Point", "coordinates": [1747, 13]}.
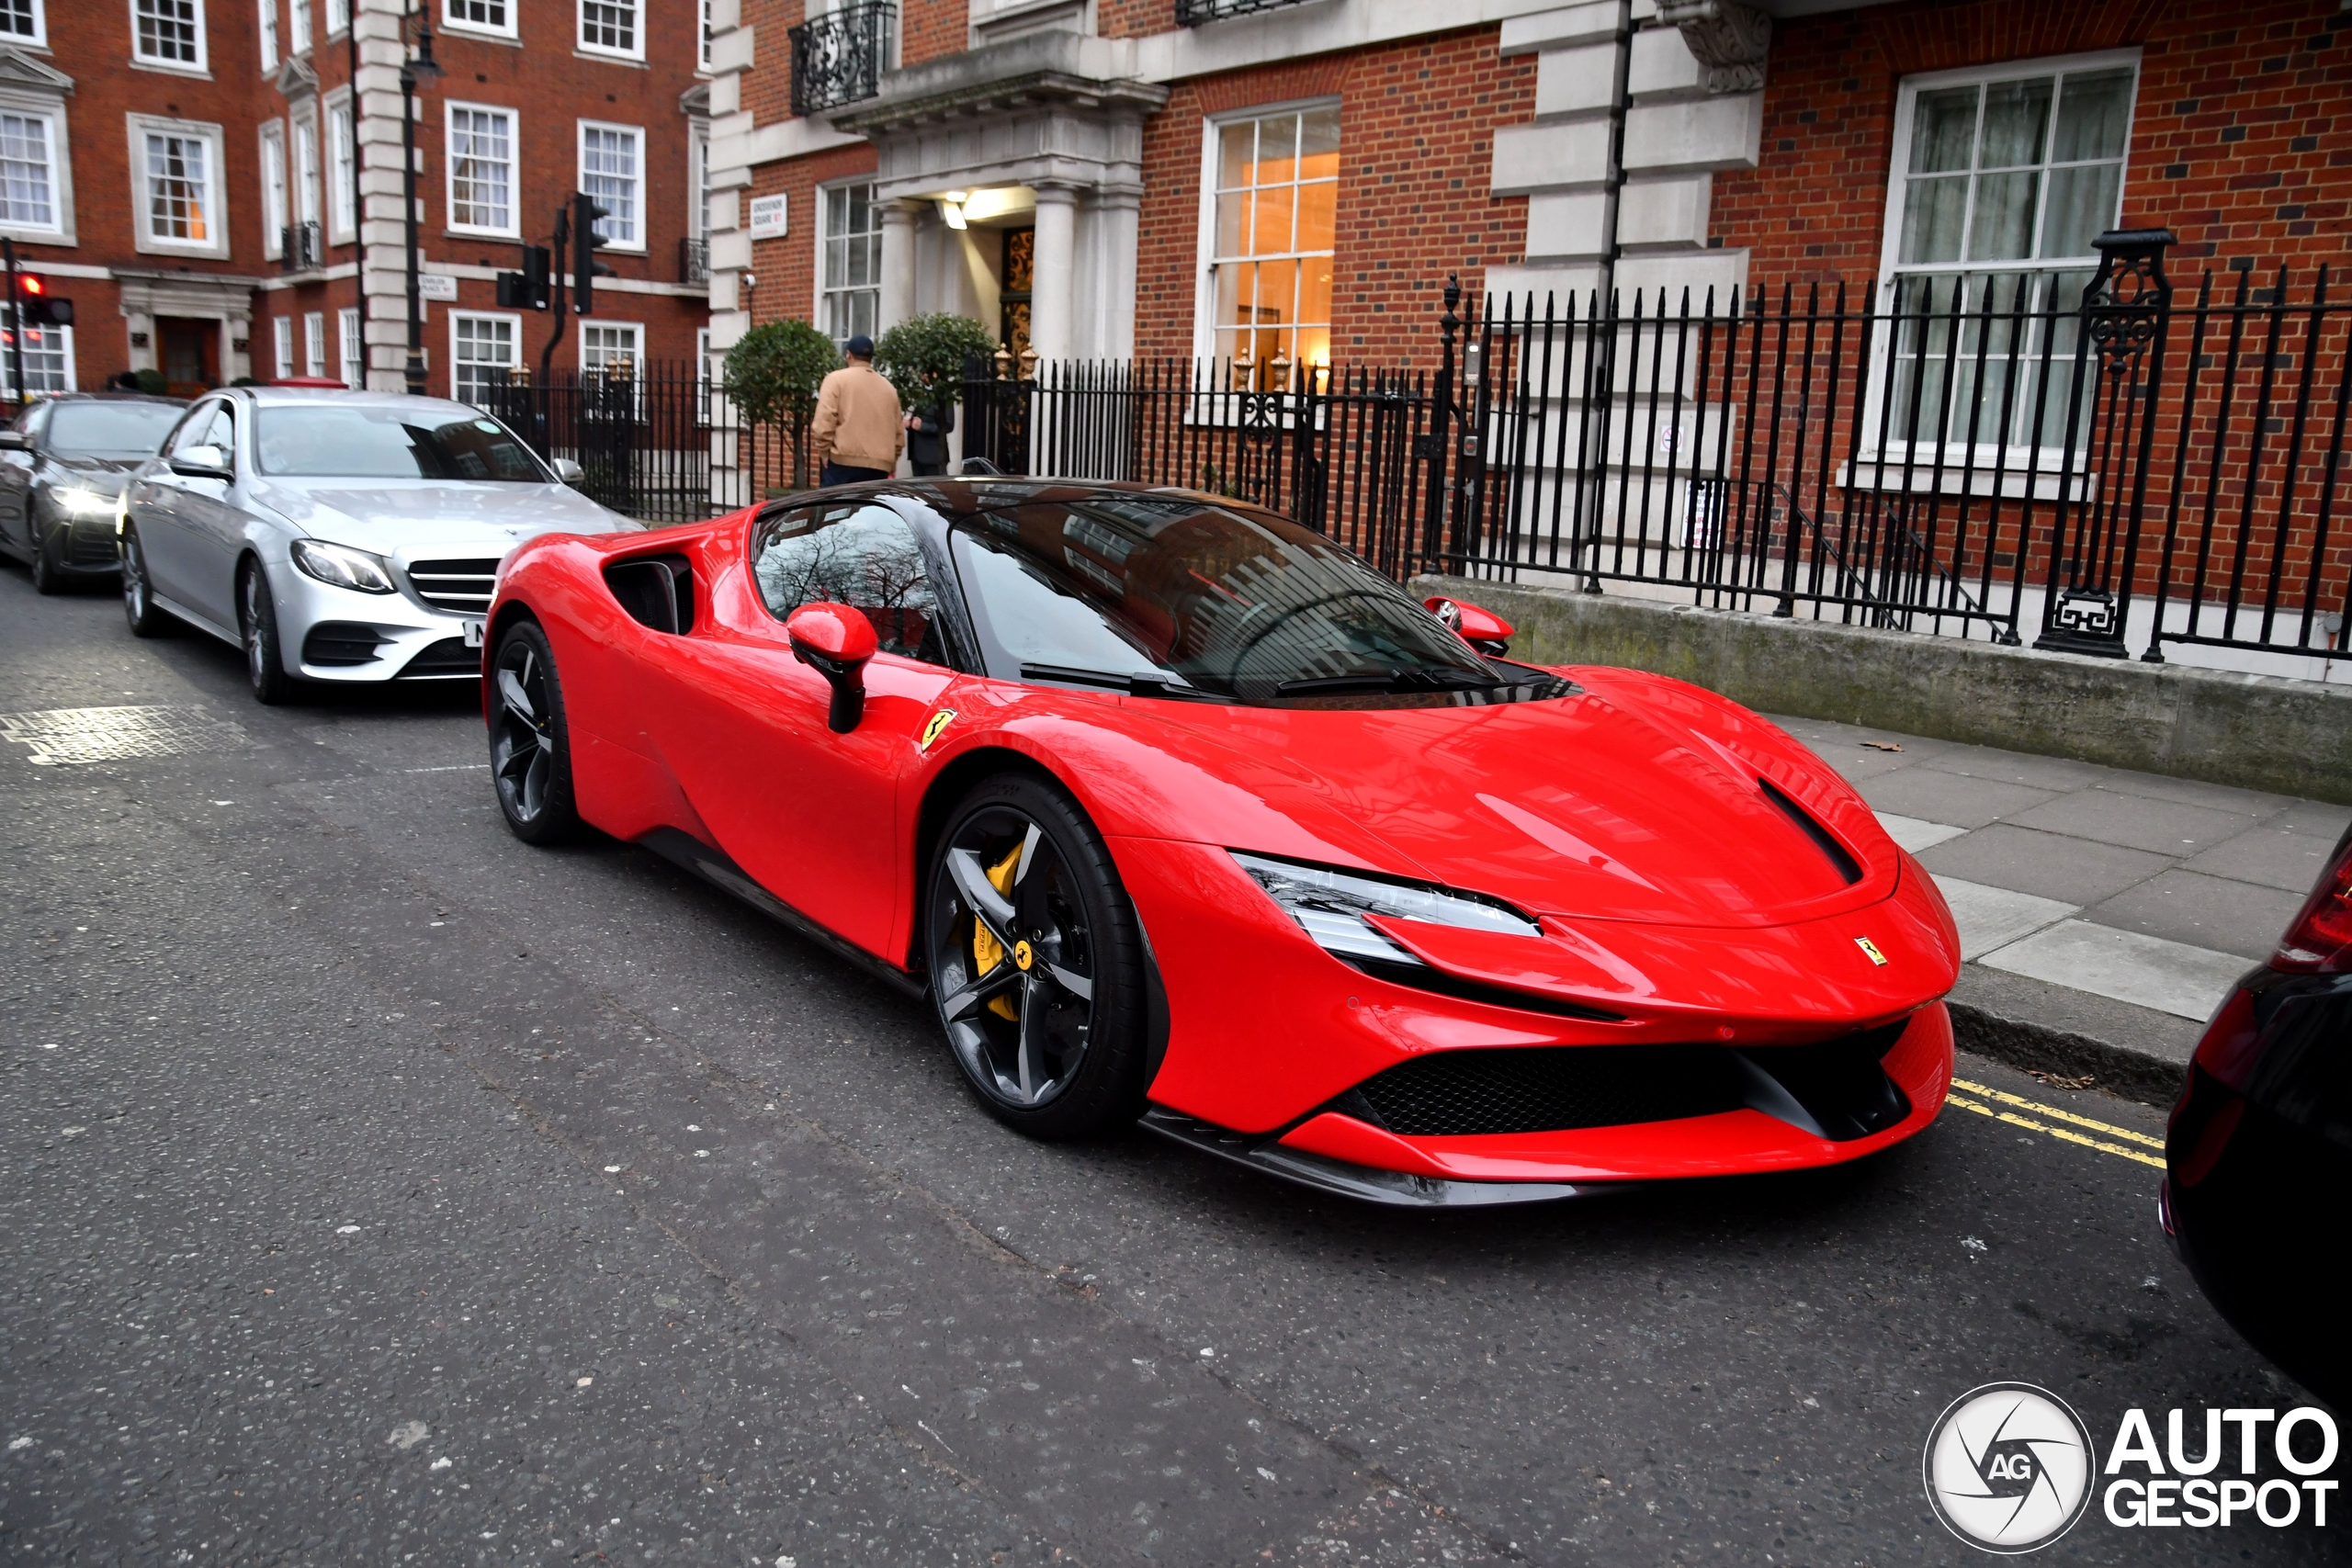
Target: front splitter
{"type": "Point", "coordinates": [1395, 1189]}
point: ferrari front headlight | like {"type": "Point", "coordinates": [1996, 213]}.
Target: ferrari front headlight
{"type": "Point", "coordinates": [1330, 905]}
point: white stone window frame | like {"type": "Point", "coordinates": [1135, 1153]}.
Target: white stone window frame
{"type": "Point", "coordinates": [699, 179]}
{"type": "Point", "coordinates": [65, 352]}
{"type": "Point", "coordinates": [281, 331]}
{"type": "Point", "coordinates": [305, 190]}
{"type": "Point", "coordinates": [457, 366]}
{"type": "Point", "coordinates": [606, 52]}
{"type": "Point", "coordinates": [512, 228]}
{"type": "Point", "coordinates": [346, 343]}
{"type": "Point", "coordinates": [2020, 458]}
{"type": "Point", "coordinates": [144, 238]}
{"type": "Point", "coordinates": [200, 66]}
{"type": "Point", "coordinates": [299, 35]}
{"type": "Point", "coordinates": [276, 189]}
{"type": "Point", "coordinates": [39, 36]}
{"type": "Point", "coordinates": [453, 21]}
{"type": "Point", "coordinates": [336, 17]}
{"type": "Point", "coordinates": [43, 106]}
{"type": "Point", "coordinates": [636, 247]}
{"type": "Point", "coordinates": [265, 32]}
{"type": "Point", "coordinates": [822, 243]}
{"type": "Point", "coordinates": [1204, 324]}
{"type": "Point", "coordinates": [336, 107]}
{"type": "Point", "coordinates": [314, 343]}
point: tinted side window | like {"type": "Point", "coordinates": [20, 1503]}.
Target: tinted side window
{"type": "Point", "coordinates": [855, 553]}
{"type": "Point", "coordinates": [209, 425]}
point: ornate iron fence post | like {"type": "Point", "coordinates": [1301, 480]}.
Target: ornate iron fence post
{"type": "Point", "coordinates": [1420, 546]}
{"type": "Point", "coordinates": [2095, 539]}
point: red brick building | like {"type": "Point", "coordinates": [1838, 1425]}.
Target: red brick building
{"type": "Point", "coordinates": [1198, 177]}
{"type": "Point", "coordinates": [202, 179]}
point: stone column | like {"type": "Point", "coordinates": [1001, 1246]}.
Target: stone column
{"type": "Point", "coordinates": [898, 301]}
{"type": "Point", "coordinates": [1120, 212]}
{"type": "Point", "coordinates": [1051, 303]}
{"type": "Point", "coordinates": [377, 129]}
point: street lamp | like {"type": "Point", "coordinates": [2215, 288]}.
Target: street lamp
{"type": "Point", "coordinates": [423, 67]}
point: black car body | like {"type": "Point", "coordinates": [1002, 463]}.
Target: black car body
{"type": "Point", "coordinates": [2258, 1158]}
{"type": "Point", "coordinates": [63, 462]}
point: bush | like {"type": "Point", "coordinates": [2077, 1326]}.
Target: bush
{"type": "Point", "coordinates": [152, 382]}
{"type": "Point", "coordinates": [924, 355]}
{"type": "Point", "coordinates": [773, 378]}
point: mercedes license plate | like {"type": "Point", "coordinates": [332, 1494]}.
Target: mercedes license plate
{"type": "Point", "coordinates": [473, 631]}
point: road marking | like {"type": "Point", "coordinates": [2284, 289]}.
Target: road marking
{"type": "Point", "coordinates": [2063, 1134]}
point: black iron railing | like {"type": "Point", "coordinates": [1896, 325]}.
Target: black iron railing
{"type": "Point", "coordinates": [694, 261]}
{"type": "Point", "coordinates": [298, 247]}
{"type": "Point", "coordinates": [838, 57]}
{"type": "Point", "coordinates": [1193, 13]}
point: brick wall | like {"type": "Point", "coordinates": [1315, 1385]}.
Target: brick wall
{"type": "Point", "coordinates": [929, 29]}
{"type": "Point", "coordinates": [787, 268]}
{"type": "Point", "coordinates": [2240, 138]}
{"type": "Point", "coordinates": [1416, 153]}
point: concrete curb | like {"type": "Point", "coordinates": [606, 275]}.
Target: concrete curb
{"type": "Point", "coordinates": [2264, 732]}
{"type": "Point", "coordinates": [2037, 1047]}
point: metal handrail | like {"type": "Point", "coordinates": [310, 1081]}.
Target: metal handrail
{"type": "Point", "coordinates": [838, 57]}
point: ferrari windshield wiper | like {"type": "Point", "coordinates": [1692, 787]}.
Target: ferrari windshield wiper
{"type": "Point", "coordinates": [1135, 683]}
{"type": "Point", "coordinates": [1379, 680]}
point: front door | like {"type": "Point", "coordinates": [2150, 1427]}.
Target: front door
{"type": "Point", "coordinates": [180, 520]}
{"type": "Point", "coordinates": [811, 815]}
{"type": "Point", "coordinates": [191, 355]}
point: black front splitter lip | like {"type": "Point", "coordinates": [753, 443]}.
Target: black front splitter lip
{"type": "Point", "coordinates": [1391, 1189]}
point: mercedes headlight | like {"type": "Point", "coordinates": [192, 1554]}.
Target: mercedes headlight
{"type": "Point", "coordinates": [80, 500]}
{"type": "Point", "coordinates": [340, 566]}
{"type": "Point", "coordinates": [1330, 906]}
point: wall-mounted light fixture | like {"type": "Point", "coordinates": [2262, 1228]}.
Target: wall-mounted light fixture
{"type": "Point", "coordinates": [951, 209]}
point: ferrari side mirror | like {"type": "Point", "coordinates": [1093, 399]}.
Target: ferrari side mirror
{"type": "Point", "coordinates": [1481, 629]}
{"type": "Point", "coordinates": [835, 640]}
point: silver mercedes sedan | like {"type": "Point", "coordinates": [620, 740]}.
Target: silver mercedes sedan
{"type": "Point", "coordinates": [338, 535]}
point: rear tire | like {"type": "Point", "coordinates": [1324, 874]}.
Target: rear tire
{"type": "Point", "coordinates": [138, 594]}
{"type": "Point", "coordinates": [258, 617]}
{"type": "Point", "coordinates": [530, 741]}
{"type": "Point", "coordinates": [1036, 961]}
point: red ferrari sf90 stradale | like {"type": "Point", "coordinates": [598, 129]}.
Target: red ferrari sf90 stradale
{"type": "Point", "coordinates": [1177, 811]}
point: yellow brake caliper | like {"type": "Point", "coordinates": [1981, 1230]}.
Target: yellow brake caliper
{"type": "Point", "coordinates": [986, 952]}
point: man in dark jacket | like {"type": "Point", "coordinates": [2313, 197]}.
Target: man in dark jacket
{"type": "Point", "coordinates": [928, 429]}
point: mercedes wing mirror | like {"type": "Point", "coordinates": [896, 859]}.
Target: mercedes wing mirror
{"type": "Point", "coordinates": [567, 471]}
{"type": "Point", "coordinates": [203, 462]}
{"type": "Point", "coordinates": [835, 640]}
{"type": "Point", "coordinates": [1481, 629]}
{"type": "Point", "coordinates": [14, 441]}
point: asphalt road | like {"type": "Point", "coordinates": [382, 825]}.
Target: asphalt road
{"type": "Point", "coordinates": [375, 1189]}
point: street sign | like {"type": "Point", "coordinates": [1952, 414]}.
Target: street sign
{"type": "Point", "coordinates": [770, 217]}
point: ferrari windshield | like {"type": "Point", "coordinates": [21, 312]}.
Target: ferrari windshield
{"type": "Point", "coordinates": [1183, 595]}
{"type": "Point", "coordinates": [375, 442]}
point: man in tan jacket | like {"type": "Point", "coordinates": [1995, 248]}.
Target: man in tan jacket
{"type": "Point", "coordinates": [859, 430]}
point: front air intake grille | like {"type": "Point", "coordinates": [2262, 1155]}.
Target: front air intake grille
{"type": "Point", "coordinates": [1546, 1088]}
{"type": "Point", "coordinates": [450, 656]}
{"type": "Point", "coordinates": [463, 586]}
{"type": "Point", "coordinates": [333, 643]}
{"type": "Point", "coordinates": [91, 545]}
{"type": "Point", "coordinates": [1835, 1088]}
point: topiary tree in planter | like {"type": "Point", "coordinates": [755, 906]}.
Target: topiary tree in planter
{"type": "Point", "coordinates": [773, 378]}
{"type": "Point", "coordinates": [925, 356]}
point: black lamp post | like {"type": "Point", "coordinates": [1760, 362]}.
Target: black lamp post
{"type": "Point", "coordinates": [422, 67]}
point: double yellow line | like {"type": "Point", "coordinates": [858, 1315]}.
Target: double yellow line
{"type": "Point", "coordinates": [2065, 1134]}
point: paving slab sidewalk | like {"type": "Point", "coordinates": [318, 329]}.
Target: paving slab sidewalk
{"type": "Point", "coordinates": [2103, 914]}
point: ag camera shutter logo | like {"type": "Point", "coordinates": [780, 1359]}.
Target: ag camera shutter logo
{"type": "Point", "coordinates": [2008, 1468]}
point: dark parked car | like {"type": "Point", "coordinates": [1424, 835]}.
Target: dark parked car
{"type": "Point", "coordinates": [2259, 1159]}
{"type": "Point", "coordinates": [63, 464]}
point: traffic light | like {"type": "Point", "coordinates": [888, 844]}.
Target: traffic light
{"type": "Point", "coordinates": [585, 243]}
{"type": "Point", "coordinates": [527, 290]}
{"type": "Point", "coordinates": [40, 308]}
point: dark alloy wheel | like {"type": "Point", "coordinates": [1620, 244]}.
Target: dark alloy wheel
{"type": "Point", "coordinates": [47, 576]}
{"type": "Point", "coordinates": [529, 755]}
{"type": "Point", "coordinates": [1036, 961]}
{"type": "Point", "coordinates": [138, 595]}
{"type": "Point", "coordinates": [257, 620]}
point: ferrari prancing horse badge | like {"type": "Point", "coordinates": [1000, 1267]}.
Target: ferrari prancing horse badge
{"type": "Point", "coordinates": [934, 727]}
{"type": "Point", "coordinates": [1870, 950]}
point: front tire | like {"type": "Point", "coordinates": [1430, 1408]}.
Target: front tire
{"type": "Point", "coordinates": [257, 613]}
{"type": "Point", "coordinates": [138, 594]}
{"type": "Point", "coordinates": [1036, 961]}
{"type": "Point", "coordinates": [47, 577]}
{"type": "Point", "coordinates": [530, 741]}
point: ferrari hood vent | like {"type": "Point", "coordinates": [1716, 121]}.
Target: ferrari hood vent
{"type": "Point", "coordinates": [1848, 866]}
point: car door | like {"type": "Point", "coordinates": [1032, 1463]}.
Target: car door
{"type": "Point", "coordinates": [161, 505]}
{"type": "Point", "coordinates": [211, 527]}
{"type": "Point", "coordinates": [742, 723]}
{"type": "Point", "coordinates": [17, 467]}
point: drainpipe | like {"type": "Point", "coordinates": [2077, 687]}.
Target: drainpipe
{"type": "Point", "coordinates": [1619, 90]}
